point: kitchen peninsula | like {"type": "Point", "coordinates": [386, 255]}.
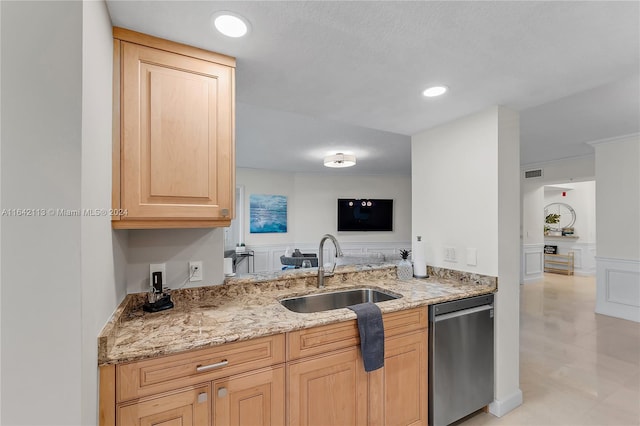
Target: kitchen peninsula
{"type": "Point", "coordinates": [237, 335]}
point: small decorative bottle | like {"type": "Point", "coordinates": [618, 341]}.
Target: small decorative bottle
{"type": "Point", "coordinates": [404, 270]}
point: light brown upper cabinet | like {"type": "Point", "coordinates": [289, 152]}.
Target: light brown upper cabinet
{"type": "Point", "coordinates": [174, 144]}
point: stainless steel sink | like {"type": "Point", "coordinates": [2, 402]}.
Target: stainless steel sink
{"type": "Point", "coordinates": [335, 300]}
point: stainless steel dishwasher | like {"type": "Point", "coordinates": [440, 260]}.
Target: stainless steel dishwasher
{"type": "Point", "coordinates": [460, 358]}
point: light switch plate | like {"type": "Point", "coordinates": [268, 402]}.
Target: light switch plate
{"type": "Point", "coordinates": [472, 256]}
{"type": "Point", "coordinates": [450, 254]}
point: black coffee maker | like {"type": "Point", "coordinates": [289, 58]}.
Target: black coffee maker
{"type": "Point", "coordinates": [159, 299]}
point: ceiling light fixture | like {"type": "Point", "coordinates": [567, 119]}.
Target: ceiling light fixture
{"type": "Point", "coordinates": [230, 24]}
{"type": "Point", "coordinates": [340, 160]}
{"type": "Point", "coordinates": [435, 91]}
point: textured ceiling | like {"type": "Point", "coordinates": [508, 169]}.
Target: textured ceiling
{"type": "Point", "coordinates": [314, 77]}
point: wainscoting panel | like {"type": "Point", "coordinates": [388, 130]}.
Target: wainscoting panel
{"type": "Point", "coordinates": [532, 264]}
{"type": "Point", "coordinates": [267, 257]}
{"type": "Point", "coordinates": [262, 259]}
{"type": "Point", "coordinates": [618, 288]}
{"type": "Point", "coordinates": [622, 288]}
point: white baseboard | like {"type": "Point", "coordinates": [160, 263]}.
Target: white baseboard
{"type": "Point", "coordinates": [500, 407]}
{"type": "Point", "coordinates": [531, 280]}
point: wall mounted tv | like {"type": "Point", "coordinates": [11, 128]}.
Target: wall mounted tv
{"type": "Point", "coordinates": [359, 214]}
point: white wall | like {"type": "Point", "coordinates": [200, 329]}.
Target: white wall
{"type": "Point", "coordinates": [312, 204]}
{"type": "Point", "coordinates": [0, 221]}
{"type": "Point", "coordinates": [618, 227]}
{"type": "Point", "coordinates": [581, 196]}
{"type": "Point", "coordinates": [532, 269]}
{"type": "Point", "coordinates": [466, 195]}
{"type": "Point", "coordinates": [54, 157]}
{"type": "Point", "coordinates": [312, 212]}
{"type": "Point", "coordinates": [41, 256]}
{"type": "Point", "coordinates": [103, 250]}
{"type": "Point", "coordinates": [532, 223]}
{"type": "Point", "coordinates": [455, 191]}
{"type": "Point", "coordinates": [574, 169]}
{"type": "Point", "coordinates": [256, 181]}
{"type": "Point", "coordinates": [507, 320]}
{"type": "Point", "coordinates": [568, 170]}
{"type": "Point", "coordinates": [175, 247]}
{"type": "Point", "coordinates": [618, 193]}
{"type": "Point", "coordinates": [316, 202]}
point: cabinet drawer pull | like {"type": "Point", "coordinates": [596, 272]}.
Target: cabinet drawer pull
{"type": "Point", "coordinates": [203, 368]}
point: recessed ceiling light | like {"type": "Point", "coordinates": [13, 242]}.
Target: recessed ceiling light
{"type": "Point", "coordinates": [435, 91]}
{"type": "Point", "coordinates": [230, 24]}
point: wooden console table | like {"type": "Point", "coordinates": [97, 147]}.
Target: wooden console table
{"type": "Point", "coordinates": [559, 263]}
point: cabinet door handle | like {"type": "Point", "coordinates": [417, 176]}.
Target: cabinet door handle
{"type": "Point", "coordinates": [222, 392]}
{"type": "Point", "coordinates": [203, 368]}
{"type": "Point", "coordinates": [224, 212]}
{"type": "Point", "coordinates": [202, 397]}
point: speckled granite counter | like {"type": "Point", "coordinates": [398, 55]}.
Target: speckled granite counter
{"type": "Point", "coordinates": [248, 307]}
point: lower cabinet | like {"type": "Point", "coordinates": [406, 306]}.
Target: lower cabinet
{"type": "Point", "coordinates": [327, 383]}
{"type": "Point", "coordinates": [250, 399]}
{"type": "Point", "coordinates": [328, 390]}
{"type": "Point", "coordinates": [320, 381]}
{"type": "Point", "coordinates": [187, 407]}
{"type": "Point", "coordinates": [398, 391]}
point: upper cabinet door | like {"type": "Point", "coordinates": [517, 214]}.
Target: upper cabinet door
{"type": "Point", "coordinates": [177, 148]}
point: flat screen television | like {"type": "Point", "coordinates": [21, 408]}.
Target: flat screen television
{"type": "Point", "coordinates": [359, 214]}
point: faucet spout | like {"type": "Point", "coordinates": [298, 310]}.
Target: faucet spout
{"type": "Point", "coordinates": [321, 273]}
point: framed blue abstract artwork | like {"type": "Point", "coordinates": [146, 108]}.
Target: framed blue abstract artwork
{"type": "Point", "coordinates": [267, 213]}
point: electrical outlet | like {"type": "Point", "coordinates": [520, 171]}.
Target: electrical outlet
{"type": "Point", "coordinates": [450, 254]}
{"type": "Point", "coordinates": [158, 267]}
{"type": "Point", "coordinates": [195, 271]}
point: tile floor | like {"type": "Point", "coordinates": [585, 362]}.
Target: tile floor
{"type": "Point", "coordinates": [576, 367]}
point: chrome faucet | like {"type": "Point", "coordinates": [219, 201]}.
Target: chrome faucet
{"type": "Point", "coordinates": [321, 273]}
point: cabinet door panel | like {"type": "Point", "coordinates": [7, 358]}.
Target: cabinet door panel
{"type": "Point", "coordinates": [190, 407]}
{"type": "Point", "coordinates": [162, 374]}
{"type": "Point", "coordinates": [254, 399]}
{"type": "Point", "coordinates": [177, 136]}
{"type": "Point", "coordinates": [328, 390]}
{"type": "Point", "coordinates": [405, 380]}
{"type": "Point", "coordinates": [177, 139]}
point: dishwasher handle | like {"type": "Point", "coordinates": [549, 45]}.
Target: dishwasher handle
{"type": "Point", "coordinates": [469, 311]}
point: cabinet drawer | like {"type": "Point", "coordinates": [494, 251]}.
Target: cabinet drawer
{"type": "Point", "coordinates": [186, 407]}
{"type": "Point", "coordinates": [401, 322]}
{"type": "Point", "coordinates": [326, 338]}
{"type": "Point", "coordinates": [156, 375]}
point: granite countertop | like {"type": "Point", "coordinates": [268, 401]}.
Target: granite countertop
{"type": "Point", "coordinates": [247, 307]}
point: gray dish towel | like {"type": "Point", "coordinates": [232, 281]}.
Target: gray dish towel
{"type": "Point", "coordinates": [371, 334]}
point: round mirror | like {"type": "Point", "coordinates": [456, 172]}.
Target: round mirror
{"type": "Point", "coordinates": [558, 216]}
